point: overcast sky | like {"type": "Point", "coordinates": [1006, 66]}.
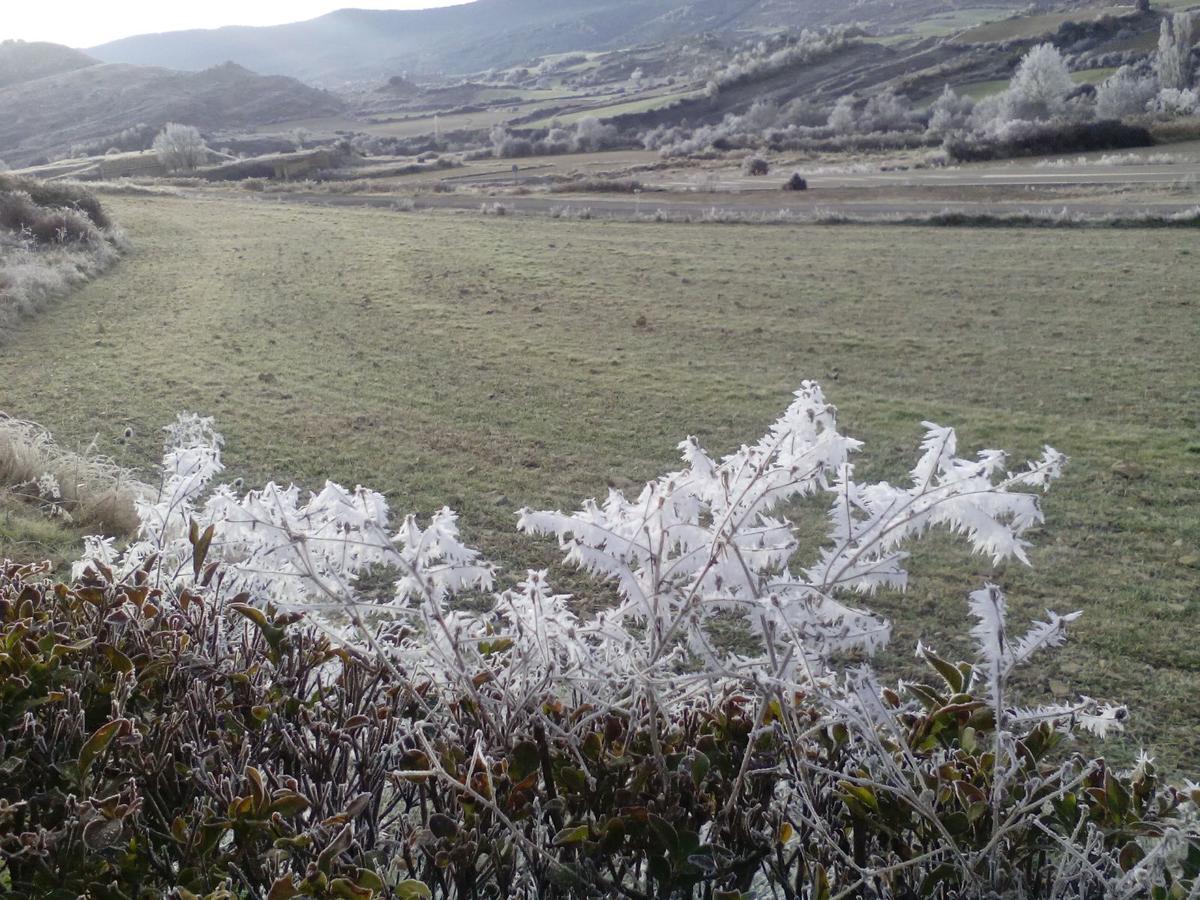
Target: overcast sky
{"type": "Point", "coordinates": [86, 23]}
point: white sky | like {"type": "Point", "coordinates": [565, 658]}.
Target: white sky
{"type": "Point", "coordinates": [86, 23]}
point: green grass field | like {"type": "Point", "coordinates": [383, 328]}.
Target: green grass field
{"type": "Point", "coordinates": [491, 363]}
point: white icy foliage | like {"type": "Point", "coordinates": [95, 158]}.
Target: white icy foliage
{"type": "Point", "coordinates": [281, 546]}
{"type": "Point", "coordinates": [712, 537]}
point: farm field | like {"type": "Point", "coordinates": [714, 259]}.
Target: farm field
{"type": "Point", "coordinates": [492, 363]}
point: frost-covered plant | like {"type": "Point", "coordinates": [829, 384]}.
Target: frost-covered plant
{"type": "Point", "coordinates": [180, 148]}
{"type": "Point", "coordinates": [1173, 61]}
{"type": "Point", "coordinates": [768, 57]}
{"type": "Point", "coordinates": [631, 750]}
{"type": "Point", "coordinates": [949, 112]}
{"type": "Point", "coordinates": [1170, 102]}
{"type": "Point", "coordinates": [1040, 86]}
{"type": "Point", "coordinates": [1124, 93]}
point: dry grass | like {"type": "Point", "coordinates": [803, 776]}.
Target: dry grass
{"type": "Point", "coordinates": [93, 491]}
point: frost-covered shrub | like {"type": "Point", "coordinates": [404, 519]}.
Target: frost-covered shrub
{"type": "Point", "coordinates": [949, 113]}
{"type": "Point", "coordinates": [591, 134]}
{"type": "Point", "coordinates": [515, 746]}
{"type": "Point", "coordinates": [52, 237]}
{"type": "Point", "coordinates": [1173, 103]}
{"type": "Point", "coordinates": [1124, 94]}
{"type": "Point", "coordinates": [769, 57]}
{"type": "Point", "coordinates": [882, 112]}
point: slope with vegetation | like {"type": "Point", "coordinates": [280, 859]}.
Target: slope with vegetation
{"type": "Point", "coordinates": [53, 237]}
{"type": "Point", "coordinates": [357, 44]}
{"type": "Point", "coordinates": [99, 106]}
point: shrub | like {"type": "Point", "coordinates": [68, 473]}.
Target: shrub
{"type": "Point", "coordinates": [949, 113]}
{"type": "Point", "coordinates": [1047, 138]}
{"type": "Point", "coordinates": [1173, 103]}
{"type": "Point", "coordinates": [796, 183]}
{"type": "Point", "coordinates": [598, 185]}
{"type": "Point", "coordinates": [755, 165]}
{"type": "Point", "coordinates": [59, 194]}
{"type": "Point", "coordinates": [180, 148]}
{"type": "Point", "coordinates": [45, 225]}
{"type": "Point", "coordinates": [1124, 94]}
{"type": "Point", "coordinates": [217, 707]}
{"type": "Point", "coordinates": [52, 236]}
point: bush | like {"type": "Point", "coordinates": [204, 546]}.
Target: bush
{"type": "Point", "coordinates": [1124, 94]}
{"type": "Point", "coordinates": [217, 708]}
{"type": "Point", "coordinates": [1047, 138]}
{"type": "Point", "coordinates": [45, 225]}
{"type": "Point", "coordinates": [796, 183]}
{"type": "Point", "coordinates": [756, 165]}
{"type": "Point", "coordinates": [59, 194]}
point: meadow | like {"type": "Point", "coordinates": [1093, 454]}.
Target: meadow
{"type": "Point", "coordinates": [493, 363]}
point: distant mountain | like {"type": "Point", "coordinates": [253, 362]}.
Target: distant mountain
{"type": "Point", "coordinates": [21, 61]}
{"type": "Point", "coordinates": [355, 44]}
{"type": "Point", "coordinates": [95, 103]}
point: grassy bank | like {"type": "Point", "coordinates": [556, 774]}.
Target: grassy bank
{"type": "Point", "coordinates": [500, 362]}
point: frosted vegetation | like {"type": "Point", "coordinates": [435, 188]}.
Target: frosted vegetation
{"type": "Point", "coordinates": [1041, 100]}
{"type": "Point", "coordinates": [53, 237]}
{"type": "Point", "coordinates": [822, 781]}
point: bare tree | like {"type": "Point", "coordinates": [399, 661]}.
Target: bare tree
{"type": "Point", "coordinates": [180, 148]}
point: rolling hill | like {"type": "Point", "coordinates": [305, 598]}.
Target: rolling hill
{"type": "Point", "coordinates": [352, 44]}
{"type": "Point", "coordinates": [92, 103]}
{"type": "Point", "coordinates": [22, 61]}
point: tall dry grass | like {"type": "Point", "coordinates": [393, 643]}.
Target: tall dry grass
{"type": "Point", "coordinates": [95, 491]}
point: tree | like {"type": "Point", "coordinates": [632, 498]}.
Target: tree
{"type": "Point", "coordinates": [949, 112]}
{"type": "Point", "coordinates": [1173, 62]}
{"type": "Point", "coordinates": [1123, 94]}
{"type": "Point", "coordinates": [591, 134]}
{"type": "Point", "coordinates": [1040, 87]}
{"type": "Point", "coordinates": [180, 147]}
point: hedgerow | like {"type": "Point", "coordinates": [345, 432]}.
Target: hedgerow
{"type": "Point", "coordinates": [217, 710]}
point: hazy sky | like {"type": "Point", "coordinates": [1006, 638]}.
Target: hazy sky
{"type": "Point", "coordinates": [86, 23]}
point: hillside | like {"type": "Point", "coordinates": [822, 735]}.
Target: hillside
{"type": "Point", "coordinates": [21, 61]}
{"type": "Point", "coordinates": [92, 105]}
{"type": "Point", "coordinates": [352, 45]}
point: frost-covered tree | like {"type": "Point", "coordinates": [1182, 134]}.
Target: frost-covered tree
{"type": "Point", "coordinates": [180, 148]}
{"type": "Point", "coordinates": [843, 118]}
{"type": "Point", "coordinates": [1124, 93]}
{"type": "Point", "coordinates": [949, 112]}
{"type": "Point", "coordinates": [591, 134]}
{"type": "Point", "coordinates": [1041, 84]}
{"type": "Point", "coordinates": [1173, 62]}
